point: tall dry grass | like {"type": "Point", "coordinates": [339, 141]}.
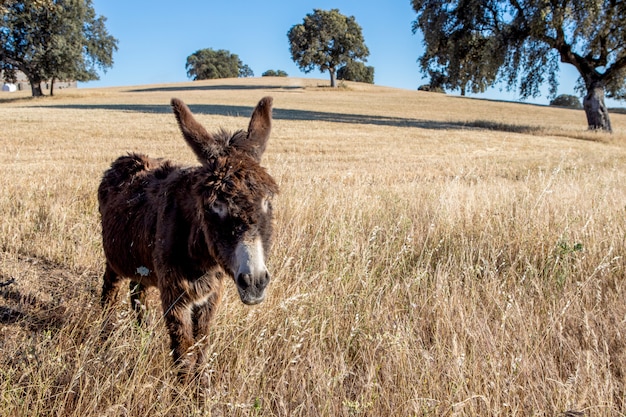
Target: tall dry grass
{"type": "Point", "coordinates": [433, 256]}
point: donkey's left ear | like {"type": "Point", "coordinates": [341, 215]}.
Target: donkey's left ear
{"type": "Point", "coordinates": [259, 129]}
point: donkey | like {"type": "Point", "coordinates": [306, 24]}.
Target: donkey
{"type": "Point", "coordinates": [184, 229]}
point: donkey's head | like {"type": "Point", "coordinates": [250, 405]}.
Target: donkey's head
{"type": "Point", "coordinates": [233, 196]}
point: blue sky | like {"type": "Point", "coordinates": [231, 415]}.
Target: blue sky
{"type": "Point", "coordinates": [156, 36]}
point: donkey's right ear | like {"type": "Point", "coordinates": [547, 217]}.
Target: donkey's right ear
{"type": "Point", "coordinates": [200, 141]}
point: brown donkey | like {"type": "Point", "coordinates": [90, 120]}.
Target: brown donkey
{"type": "Point", "coordinates": [183, 229]}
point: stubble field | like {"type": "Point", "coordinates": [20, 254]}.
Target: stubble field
{"type": "Point", "coordinates": [433, 256]}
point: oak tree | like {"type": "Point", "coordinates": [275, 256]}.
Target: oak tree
{"type": "Point", "coordinates": [477, 43]}
{"type": "Point", "coordinates": [208, 64]}
{"type": "Point", "coordinates": [356, 71]}
{"type": "Point", "coordinates": [53, 39]}
{"type": "Point", "coordinates": [326, 39]}
{"type": "Point", "coordinates": [274, 73]}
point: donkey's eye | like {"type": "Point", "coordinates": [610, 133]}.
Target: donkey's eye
{"type": "Point", "coordinates": [220, 208]}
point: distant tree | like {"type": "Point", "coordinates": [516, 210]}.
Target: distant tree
{"type": "Point", "coordinates": [566, 100]}
{"type": "Point", "coordinates": [208, 64]}
{"type": "Point", "coordinates": [356, 71]}
{"type": "Point", "coordinates": [328, 40]}
{"type": "Point", "coordinates": [53, 39]}
{"type": "Point", "coordinates": [429, 88]}
{"type": "Point", "coordinates": [245, 71]}
{"type": "Point", "coordinates": [272, 73]}
{"type": "Point", "coordinates": [477, 43]}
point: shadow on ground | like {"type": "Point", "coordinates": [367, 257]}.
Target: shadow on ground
{"type": "Point", "coordinates": [38, 298]}
{"type": "Point", "coordinates": [214, 88]}
{"type": "Point", "coordinates": [305, 115]}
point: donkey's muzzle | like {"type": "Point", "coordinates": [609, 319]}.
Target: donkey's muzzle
{"type": "Point", "coordinates": [252, 288]}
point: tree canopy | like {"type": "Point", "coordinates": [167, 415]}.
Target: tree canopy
{"type": "Point", "coordinates": [566, 100]}
{"type": "Point", "coordinates": [53, 39]}
{"type": "Point", "coordinates": [274, 73]}
{"type": "Point", "coordinates": [327, 40]}
{"type": "Point", "coordinates": [356, 71]}
{"type": "Point", "coordinates": [208, 64]}
{"type": "Point", "coordinates": [474, 44]}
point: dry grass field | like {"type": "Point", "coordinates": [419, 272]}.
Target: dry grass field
{"type": "Point", "coordinates": [433, 256]}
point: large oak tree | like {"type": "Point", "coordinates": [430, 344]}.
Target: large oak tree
{"type": "Point", "coordinates": [326, 39]}
{"type": "Point", "coordinates": [477, 43]}
{"type": "Point", "coordinates": [53, 39]}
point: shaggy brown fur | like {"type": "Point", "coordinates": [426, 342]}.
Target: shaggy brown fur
{"type": "Point", "coordinates": [183, 229]}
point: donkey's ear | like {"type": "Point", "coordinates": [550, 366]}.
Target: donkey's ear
{"type": "Point", "coordinates": [200, 141]}
{"type": "Point", "coordinates": [258, 129]}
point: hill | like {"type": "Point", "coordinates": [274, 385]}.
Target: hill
{"type": "Point", "coordinates": [433, 255]}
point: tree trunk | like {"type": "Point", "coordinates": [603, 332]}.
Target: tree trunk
{"type": "Point", "coordinates": [34, 79]}
{"type": "Point", "coordinates": [51, 87]}
{"type": "Point", "coordinates": [333, 77]}
{"type": "Point", "coordinates": [595, 109]}
{"type": "Point", "coordinates": [36, 89]}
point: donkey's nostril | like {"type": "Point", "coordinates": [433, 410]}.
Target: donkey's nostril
{"type": "Point", "coordinates": [265, 279]}
{"type": "Point", "coordinates": [244, 281]}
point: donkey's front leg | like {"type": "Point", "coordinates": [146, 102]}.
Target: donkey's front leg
{"type": "Point", "coordinates": [177, 310]}
{"type": "Point", "coordinates": [202, 317]}
{"type": "Point", "coordinates": [203, 314]}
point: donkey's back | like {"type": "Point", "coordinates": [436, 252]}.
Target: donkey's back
{"type": "Point", "coordinates": [128, 199]}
